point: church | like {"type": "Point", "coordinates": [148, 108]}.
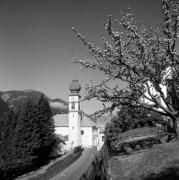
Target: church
{"type": "Point", "coordinates": [77, 128]}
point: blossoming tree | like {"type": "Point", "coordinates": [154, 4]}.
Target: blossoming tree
{"type": "Point", "coordinates": [144, 58]}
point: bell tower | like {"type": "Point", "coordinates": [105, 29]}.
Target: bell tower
{"type": "Point", "coordinates": [74, 137]}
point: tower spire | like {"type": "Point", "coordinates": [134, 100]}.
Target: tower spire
{"type": "Point", "coordinates": [74, 114]}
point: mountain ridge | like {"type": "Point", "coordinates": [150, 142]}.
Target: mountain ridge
{"type": "Point", "coordinates": [14, 98]}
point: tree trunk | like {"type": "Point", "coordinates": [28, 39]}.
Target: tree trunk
{"type": "Point", "coordinates": [172, 129]}
{"type": "Point", "coordinates": [175, 127]}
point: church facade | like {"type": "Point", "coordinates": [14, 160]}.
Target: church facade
{"type": "Point", "coordinates": [77, 128]}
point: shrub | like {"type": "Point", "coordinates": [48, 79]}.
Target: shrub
{"type": "Point", "coordinates": [78, 149]}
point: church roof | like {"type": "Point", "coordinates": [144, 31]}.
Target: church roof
{"type": "Point", "coordinates": [102, 121]}
{"type": "Point", "coordinates": [61, 120]}
{"type": "Point", "coordinates": [87, 122]}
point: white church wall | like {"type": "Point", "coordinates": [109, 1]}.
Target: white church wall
{"type": "Point", "coordinates": [64, 132]}
{"type": "Point", "coordinates": [74, 103]}
{"type": "Point", "coordinates": [95, 136]}
{"type": "Point", "coordinates": [100, 139]}
{"type": "Point", "coordinates": [87, 136]}
{"type": "Point", "coordinates": [61, 130]}
{"type": "Point", "coordinates": [74, 128]}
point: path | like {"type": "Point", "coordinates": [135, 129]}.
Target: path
{"type": "Point", "coordinates": [76, 169]}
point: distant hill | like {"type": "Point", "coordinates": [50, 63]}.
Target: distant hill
{"type": "Point", "coordinates": [13, 99]}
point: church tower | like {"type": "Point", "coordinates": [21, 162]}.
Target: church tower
{"type": "Point", "coordinates": [74, 137]}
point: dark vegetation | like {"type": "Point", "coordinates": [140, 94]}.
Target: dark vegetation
{"type": "Point", "coordinates": [78, 149]}
{"type": "Point", "coordinates": [27, 138]}
{"type": "Point", "coordinates": [137, 151]}
{"type": "Point", "coordinates": [127, 118]}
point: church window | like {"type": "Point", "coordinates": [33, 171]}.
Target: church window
{"type": "Point", "coordinates": [82, 132]}
{"type": "Point", "coordinates": [73, 105]}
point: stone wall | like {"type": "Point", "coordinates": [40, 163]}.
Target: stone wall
{"type": "Point", "coordinates": [98, 169]}
{"type": "Point", "coordinates": [137, 143]}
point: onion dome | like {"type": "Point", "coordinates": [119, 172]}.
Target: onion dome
{"type": "Point", "coordinates": [75, 87]}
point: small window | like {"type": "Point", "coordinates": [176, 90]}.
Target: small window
{"type": "Point", "coordinates": [73, 128]}
{"type": "Point", "coordinates": [73, 105]}
{"type": "Point", "coordinates": [82, 132]}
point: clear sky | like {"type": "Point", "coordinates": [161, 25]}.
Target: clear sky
{"type": "Point", "coordinates": [37, 43]}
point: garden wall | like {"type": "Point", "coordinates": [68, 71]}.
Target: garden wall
{"type": "Point", "coordinates": [98, 169]}
{"type": "Point", "coordinates": [137, 143]}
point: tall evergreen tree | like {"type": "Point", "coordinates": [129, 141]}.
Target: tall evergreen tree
{"type": "Point", "coordinates": [3, 115]}
{"type": "Point", "coordinates": [28, 138]}
{"type": "Point", "coordinates": [6, 149]}
{"type": "Point", "coordinates": [8, 130]}
{"type": "Point", "coordinates": [47, 129]}
{"type": "Point", "coordinates": [35, 136]}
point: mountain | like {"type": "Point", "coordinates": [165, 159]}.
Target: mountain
{"type": "Point", "coordinates": [13, 99]}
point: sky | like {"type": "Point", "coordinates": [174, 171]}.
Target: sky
{"type": "Point", "coordinates": [37, 42]}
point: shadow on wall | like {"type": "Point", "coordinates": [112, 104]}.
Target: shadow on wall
{"type": "Point", "coordinates": [98, 169]}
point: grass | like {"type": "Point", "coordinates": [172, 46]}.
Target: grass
{"type": "Point", "coordinates": [159, 162]}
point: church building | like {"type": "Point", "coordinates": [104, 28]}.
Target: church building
{"type": "Point", "coordinates": [77, 128]}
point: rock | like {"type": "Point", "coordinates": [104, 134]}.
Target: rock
{"type": "Point", "coordinates": [128, 150]}
{"type": "Point", "coordinates": [137, 147]}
